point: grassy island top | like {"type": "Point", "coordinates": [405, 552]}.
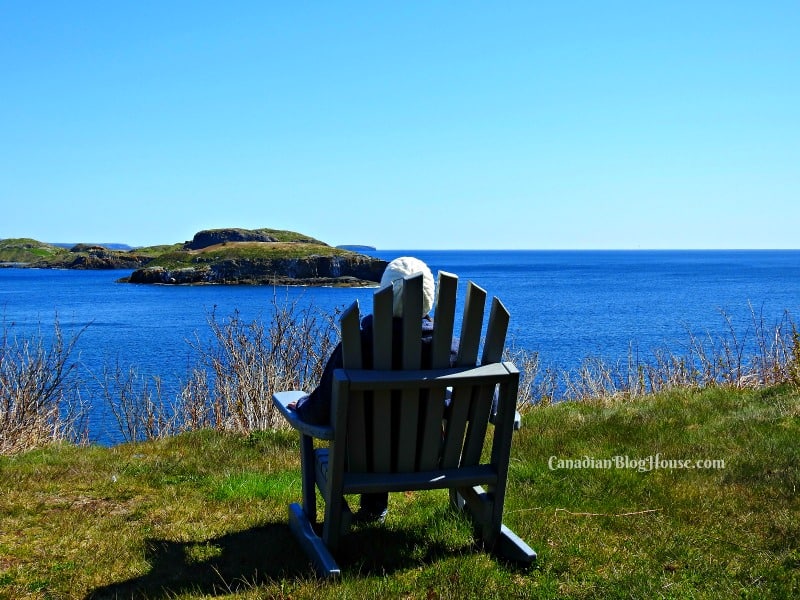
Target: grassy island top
{"type": "Point", "coordinates": [177, 257]}
{"type": "Point", "coordinates": [27, 250]}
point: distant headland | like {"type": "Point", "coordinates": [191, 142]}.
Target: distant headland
{"type": "Point", "coordinates": [212, 256]}
{"type": "Point", "coordinates": [357, 248]}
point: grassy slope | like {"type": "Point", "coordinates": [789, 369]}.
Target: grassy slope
{"type": "Point", "coordinates": [24, 250]}
{"type": "Point", "coordinates": [284, 235]}
{"type": "Point", "coordinates": [205, 514]}
{"type": "Point", "coordinates": [154, 251]}
{"type": "Point", "coordinates": [244, 251]}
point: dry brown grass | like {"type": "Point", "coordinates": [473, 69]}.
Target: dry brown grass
{"type": "Point", "coordinates": [231, 385]}
{"type": "Point", "coordinates": [229, 245]}
{"type": "Point", "coordinates": [39, 392]}
{"type": "Point", "coordinates": [764, 355]}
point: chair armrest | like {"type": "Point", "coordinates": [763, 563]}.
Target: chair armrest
{"type": "Point", "coordinates": [281, 401]}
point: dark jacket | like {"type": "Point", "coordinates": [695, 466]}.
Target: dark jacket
{"type": "Point", "coordinates": [315, 408]}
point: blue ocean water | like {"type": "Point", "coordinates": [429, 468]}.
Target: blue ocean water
{"type": "Point", "coordinates": [566, 305]}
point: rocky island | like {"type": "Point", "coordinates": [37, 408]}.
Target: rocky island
{"type": "Point", "coordinates": [27, 252]}
{"type": "Point", "coordinates": [216, 256]}
{"type": "Point", "coordinates": [261, 256]}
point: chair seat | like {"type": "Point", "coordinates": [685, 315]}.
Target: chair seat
{"type": "Point", "coordinates": [439, 479]}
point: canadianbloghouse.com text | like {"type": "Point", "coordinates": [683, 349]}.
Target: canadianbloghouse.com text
{"type": "Point", "coordinates": [647, 463]}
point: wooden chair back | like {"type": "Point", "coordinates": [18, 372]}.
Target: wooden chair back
{"type": "Point", "coordinates": [421, 418]}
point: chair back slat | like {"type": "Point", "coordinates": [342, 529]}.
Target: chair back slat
{"type": "Point", "coordinates": [407, 430]}
{"type": "Point", "coordinates": [381, 418]}
{"type": "Point", "coordinates": [444, 314]}
{"type": "Point", "coordinates": [456, 426]}
{"type": "Point", "coordinates": [495, 333]}
{"type": "Point", "coordinates": [407, 443]}
{"type": "Point", "coordinates": [479, 410]}
{"type": "Point", "coordinates": [356, 418]}
{"type": "Point", "coordinates": [412, 319]}
{"type": "Point", "coordinates": [381, 414]}
{"type": "Point", "coordinates": [350, 326]}
{"type": "Point", "coordinates": [431, 428]}
{"type": "Point", "coordinates": [471, 324]}
{"type": "Point", "coordinates": [434, 404]}
{"type": "Point", "coordinates": [382, 329]}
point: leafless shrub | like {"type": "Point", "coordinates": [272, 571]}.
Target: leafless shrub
{"type": "Point", "coordinates": [594, 378]}
{"type": "Point", "coordinates": [237, 371]}
{"type": "Point", "coordinates": [761, 355]}
{"type": "Point", "coordinates": [778, 351]}
{"type": "Point", "coordinates": [246, 361]}
{"type": "Point", "coordinates": [536, 385]}
{"type": "Point", "coordinates": [719, 360]}
{"type": "Point", "coordinates": [137, 404]}
{"type": "Point", "coordinates": [249, 361]}
{"type": "Point", "coordinates": [40, 399]}
{"type": "Point", "coordinates": [196, 410]}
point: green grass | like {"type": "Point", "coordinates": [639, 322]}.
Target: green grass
{"type": "Point", "coordinates": [283, 235]}
{"type": "Point", "coordinates": [244, 251]}
{"type": "Point", "coordinates": [26, 250]}
{"type": "Point", "coordinates": [204, 514]}
{"type": "Point", "coordinates": [158, 250]}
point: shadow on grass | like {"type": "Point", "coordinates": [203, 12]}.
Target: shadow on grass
{"type": "Point", "coordinates": [255, 557]}
{"type": "Point", "coordinates": [219, 565]}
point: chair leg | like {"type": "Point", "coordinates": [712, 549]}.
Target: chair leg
{"type": "Point", "coordinates": [504, 543]}
{"type": "Point", "coordinates": [337, 521]}
{"type": "Point", "coordinates": [321, 558]}
{"type": "Point", "coordinates": [510, 546]}
{"type": "Point", "coordinates": [308, 466]}
{"type": "Point", "coordinates": [457, 501]}
{"type": "Point", "coordinates": [473, 500]}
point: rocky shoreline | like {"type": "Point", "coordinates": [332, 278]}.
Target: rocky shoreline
{"type": "Point", "coordinates": [351, 271]}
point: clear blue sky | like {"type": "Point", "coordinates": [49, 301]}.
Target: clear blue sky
{"type": "Point", "coordinates": [418, 124]}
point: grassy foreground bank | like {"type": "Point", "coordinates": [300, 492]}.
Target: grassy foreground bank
{"type": "Point", "coordinates": [204, 514]}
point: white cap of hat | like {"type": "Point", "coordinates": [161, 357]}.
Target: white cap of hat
{"type": "Point", "coordinates": [406, 266]}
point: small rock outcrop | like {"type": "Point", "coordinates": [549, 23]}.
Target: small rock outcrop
{"type": "Point", "coordinates": [211, 237]}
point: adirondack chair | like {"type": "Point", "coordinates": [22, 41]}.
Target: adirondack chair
{"type": "Point", "coordinates": [425, 429]}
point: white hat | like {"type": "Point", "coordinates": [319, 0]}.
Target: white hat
{"type": "Point", "coordinates": [405, 266]}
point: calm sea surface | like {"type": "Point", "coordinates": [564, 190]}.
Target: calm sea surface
{"type": "Point", "coordinates": [566, 305]}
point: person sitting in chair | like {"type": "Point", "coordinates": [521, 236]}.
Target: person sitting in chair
{"type": "Point", "coordinates": [315, 408]}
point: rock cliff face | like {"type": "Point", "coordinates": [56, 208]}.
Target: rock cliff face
{"type": "Point", "coordinates": [82, 256]}
{"type": "Point", "coordinates": [210, 237]}
{"type": "Point", "coordinates": [355, 270]}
